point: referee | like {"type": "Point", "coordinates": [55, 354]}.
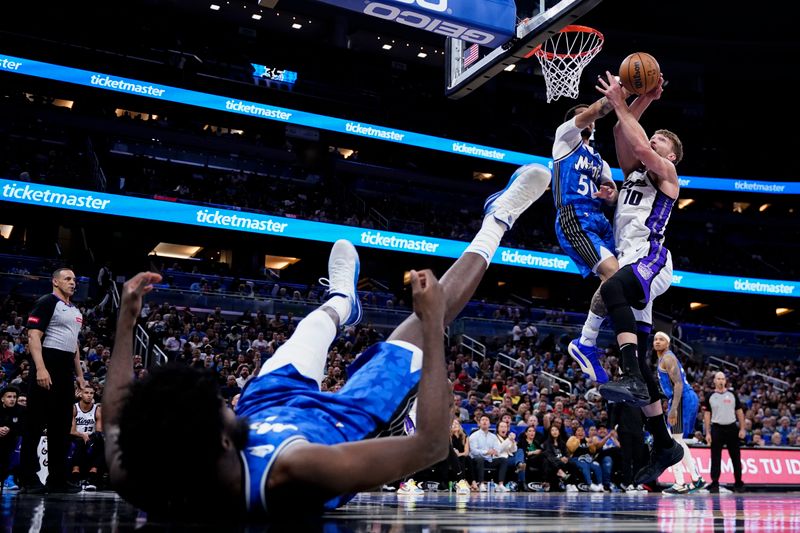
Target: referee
{"type": "Point", "coordinates": [53, 327]}
{"type": "Point", "coordinates": [722, 410]}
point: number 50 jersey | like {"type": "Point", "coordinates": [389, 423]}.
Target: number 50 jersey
{"type": "Point", "coordinates": [578, 170]}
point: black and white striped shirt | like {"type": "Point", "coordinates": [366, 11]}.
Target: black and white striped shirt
{"type": "Point", "coordinates": [723, 407]}
{"type": "Point", "coordinates": [61, 323]}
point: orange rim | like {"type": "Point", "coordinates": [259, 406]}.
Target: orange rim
{"type": "Point", "coordinates": [574, 28]}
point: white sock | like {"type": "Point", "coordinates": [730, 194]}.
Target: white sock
{"type": "Point", "coordinates": [487, 240]}
{"type": "Point", "coordinates": [591, 329]}
{"type": "Point", "coordinates": [688, 464]}
{"type": "Point", "coordinates": [307, 348]}
{"type": "Point", "coordinates": [341, 305]}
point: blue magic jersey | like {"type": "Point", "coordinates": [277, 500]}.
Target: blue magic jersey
{"type": "Point", "coordinates": [578, 170]}
{"type": "Point", "coordinates": [284, 408]}
{"type": "Point", "coordinates": [666, 382]}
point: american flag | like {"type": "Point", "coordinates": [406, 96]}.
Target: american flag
{"type": "Point", "coordinates": [471, 55]}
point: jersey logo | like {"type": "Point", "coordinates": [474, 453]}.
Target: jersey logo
{"type": "Point", "coordinates": [261, 451]}
{"type": "Point", "coordinates": [33, 320]}
{"type": "Point", "coordinates": [587, 163]}
{"type": "Point", "coordinates": [582, 163]}
{"type": "Point", "coordinates": [267, 426]}
{"type": "Point", "coordinates": [644, 271]}
{"type": "Point", "coordinates": [634, 182]}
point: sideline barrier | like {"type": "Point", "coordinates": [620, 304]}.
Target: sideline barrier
{"type": "Point", "coordinates": [771, 465]}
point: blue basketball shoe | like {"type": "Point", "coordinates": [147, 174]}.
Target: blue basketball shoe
{"type": "Point", "coordinates": [526, 185]}
{"type": "Point", "coordinates": [343, 268]}
{"type": "Point", "coordinates": [588, 358]}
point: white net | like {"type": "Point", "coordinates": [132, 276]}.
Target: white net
{"type": "Point", "coordinates": [563, 58]}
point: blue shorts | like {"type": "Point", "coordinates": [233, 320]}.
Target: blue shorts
{"type": "Point", "coordinates": [583, 235]}
{"type": "Point", "coordinates": [284, 406]}
{"type": "Point", "coordinates": [687, 414]}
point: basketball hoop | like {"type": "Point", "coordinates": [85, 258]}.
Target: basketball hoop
{"type": "Point", "coordinates": [563, 57]}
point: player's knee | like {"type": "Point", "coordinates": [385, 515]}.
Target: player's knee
{"type": "Point", "coordinates": [613, 293]}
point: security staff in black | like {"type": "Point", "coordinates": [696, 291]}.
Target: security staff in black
{"type": "Point", "coordinates": [722, 410]}
{"type": "Point", "coordinates": [53, 328]}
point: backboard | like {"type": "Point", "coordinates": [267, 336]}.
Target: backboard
{"type": "Point", "coordinates": [469, 65]}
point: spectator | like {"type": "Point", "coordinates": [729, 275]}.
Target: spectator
{"type": "Point", "coordinates": [10, 428]}
{"type": "Point", "coordinates": [531, 459]}
{"type": "Point", "coordinates": [460, 467]}
{"type": "Point", "coordinates": [583, 458]}
{"type": "Point", "coordinates": [485, 447]}
{"type": "Point", "coordinates": [507, 451]}
{"type": "Point", "coordinates": [243, 376]}
{"type": "Point", "coordinates": [558, 468]}
{"type": "Point", "coordinates": [88, 460]}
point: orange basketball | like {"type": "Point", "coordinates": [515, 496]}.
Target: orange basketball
{"type": "Point", "coordinates": [573, 443]}
{"type": "Point", "coordinates": [639, 72]}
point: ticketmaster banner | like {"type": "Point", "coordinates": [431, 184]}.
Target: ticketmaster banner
{"type": "Point", "coordinates": [231, 219]}
{"type": "Point", "coordinates": [258, 110]}
{"type": "Point", "coordinates": [487, 22]}
{"type": "Point", "coordinates": [290, 116]}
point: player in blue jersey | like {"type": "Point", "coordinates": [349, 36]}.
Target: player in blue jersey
{"type": "Point", "coordinates": [646, 199]}
{"type": "Point", "coordinates": [174, 448]}
{"type": "Point", "coordinates": [581, 184]}
{"type": "Point", "coordinates": [681, 412]}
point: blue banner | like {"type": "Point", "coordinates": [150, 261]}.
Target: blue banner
{"type": "Point", "coordinates": [361, 129]}
{"type": "Point", "coordinates": [230, 219]}
{"type": "Point", "coordinates": [485, 22]}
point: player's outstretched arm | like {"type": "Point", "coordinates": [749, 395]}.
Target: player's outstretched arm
{"type": "Point", "coordinates": [120, 369]}
{"type": "Point", "coordinates": [625, 156]}
{"type": "Point", "coordinates": [316, 473]}
{"type": "Point", "coordinates": [632, 133]}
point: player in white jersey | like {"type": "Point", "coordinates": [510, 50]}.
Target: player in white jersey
{"type": "Point", "coordinates": [645, 202]}
{"type": "Point", "coordinates": [87, 426]}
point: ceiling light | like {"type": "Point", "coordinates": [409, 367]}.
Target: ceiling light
{"type": "Point", "coordinates": [683, 203]}
{"type": "Point", "coordinates": [256, 16]}
{"type": "Point", "coordinates": [764, 207]}
{"type": "Point", "coordinates": [277, 262]}
{"type": "Point", "coordinates": [694, 306]}
{"type": "Point", "coordinates": [423, 55]}
{"type": "Point", "coordinates": [214, 7]}
{"type": "Point", "coordinates": [387, 47]}
{"type": "Point", "coordinates": [296, 26]}
{"type": "Point", "coordinates": [783, 311]}
{"type": "Point", "coordinates": [510, 68]}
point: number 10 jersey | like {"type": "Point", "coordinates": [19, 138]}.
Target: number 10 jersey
{"type": "Point", "coordinates": [641, 218]}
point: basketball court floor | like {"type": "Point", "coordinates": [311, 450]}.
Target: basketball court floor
{"type": "Point", "coordinates": [431, 512]}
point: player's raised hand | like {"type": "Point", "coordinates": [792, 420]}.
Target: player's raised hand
{"type": "Point", "coordinates": [611, 88]}
{"type": "Point", "coordinates": [428, 296]}
{"type": "Point", "coordinates": [655, 94]}
{"type": "Point", "coordinates": [132, 292]}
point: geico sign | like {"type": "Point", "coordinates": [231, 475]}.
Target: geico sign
{"type": "Point", "coordinates": [428, 22]}
{"type": "Point", "coordinates": [440, 6]}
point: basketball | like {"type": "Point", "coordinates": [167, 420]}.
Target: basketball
{"type": "Point", "coordinates": [572, 444]}
{"type": "Point", "coordinates": [639, 72]}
